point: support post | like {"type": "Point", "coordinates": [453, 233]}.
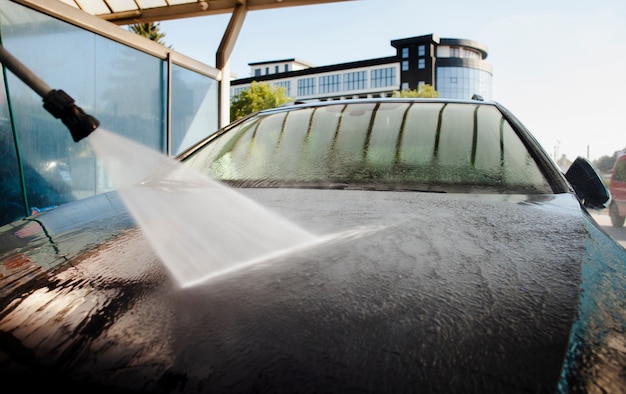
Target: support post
{"type": "Point", "coordinates": [222, 60]}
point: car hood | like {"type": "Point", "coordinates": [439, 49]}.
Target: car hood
{"type": "Point", "coordinates": [441, 292]}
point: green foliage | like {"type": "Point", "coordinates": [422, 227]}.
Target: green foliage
{"type": "Point", "coordinates": [606, 163]}
{"type": "Point", "coordinates": [151, 30]}
{"type": "Point", "coordinates": [260, 95]}
{"type": "Point", "coordinates": [423, 91]}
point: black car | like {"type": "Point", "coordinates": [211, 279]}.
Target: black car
{"type": "Point", "coordinates": [455, 257]}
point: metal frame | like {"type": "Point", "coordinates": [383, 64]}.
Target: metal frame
{"type": "Point", "coordinates": [74, 16]}
{"type": "Point", "coordinates": [142, 13]}
{"type": "Point", "coordinates": [72, 11]}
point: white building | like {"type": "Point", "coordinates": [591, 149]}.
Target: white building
{"type": "Point", "coordinates": [456, 68]}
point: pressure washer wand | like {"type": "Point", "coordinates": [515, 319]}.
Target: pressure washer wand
{"type": "Point", "coordinates": [57, 102]}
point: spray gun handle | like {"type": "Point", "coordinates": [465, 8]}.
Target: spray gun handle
{"type": "Point", "coordinates": [62, 106]}
{"type": "Point", "coordinates": [56, 102]}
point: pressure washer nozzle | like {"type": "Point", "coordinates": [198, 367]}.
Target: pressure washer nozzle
{"type": "Point", "coordinates": [62, 106]}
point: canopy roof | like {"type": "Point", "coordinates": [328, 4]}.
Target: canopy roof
{"type": "Point", "coordinates": [124, 12]}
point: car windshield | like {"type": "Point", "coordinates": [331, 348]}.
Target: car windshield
{"type": "Point", "coordinates": [430, 146]}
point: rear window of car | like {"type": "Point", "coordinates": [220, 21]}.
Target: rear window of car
{"type": "Point", "coordinates": [398, 145]}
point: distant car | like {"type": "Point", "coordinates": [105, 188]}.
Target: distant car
{"type": "Point", "coordinates": [484, 272]}
{"type": "Point", "coordinates": [617, 187]}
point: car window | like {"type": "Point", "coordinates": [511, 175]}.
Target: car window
{"type": "Point", "coordinates": [407, 145]}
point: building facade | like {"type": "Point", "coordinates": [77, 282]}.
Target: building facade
{"type": "Point", "coordinates": [456, 68]}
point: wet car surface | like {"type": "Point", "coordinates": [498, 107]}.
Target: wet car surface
{"type": "Point", "coordinates": [430, 291]}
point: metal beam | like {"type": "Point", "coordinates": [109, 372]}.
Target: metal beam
{"type": "Point", "coordinates": [222, 60]}
{"type": "Point", "coordinates": [201, 8]}
{"type": "Point", "coordinates": [230, 35]}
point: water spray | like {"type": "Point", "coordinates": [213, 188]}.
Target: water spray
{"type": "Point", "coordinates": [232, 233]}
{"type": "Point", "coordinates": [57, 102]}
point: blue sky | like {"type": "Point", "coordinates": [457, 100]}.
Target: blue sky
{"type": "Point", "coordinates": [559, 65]}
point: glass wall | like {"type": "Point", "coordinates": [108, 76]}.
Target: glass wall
{"type": "Point", "coordinates": [194, 108]}
{"type": "Point", "coordinates": [125, 88]}
{"type": "Point", "coordinates": [384, 77]}
{"type": "Point", "coordinates": [11, 198]}
{"type": "Point", "coordinates": [463, 82]}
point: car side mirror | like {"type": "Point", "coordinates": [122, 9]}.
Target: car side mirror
{"type": "Point", "coordinates": [588, 184]}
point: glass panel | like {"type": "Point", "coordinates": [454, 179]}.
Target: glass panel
{"type": "Point", "coordinates": [122, 5]}
{"type": "Point", "coordinates": [221, 159]}
{"type": "Point", "coordinates": [455, 139]}
{"type": "Point", "coordinates": [520, 168]}
{"type": "Point", "coordinates": [261, 158]}
{"type": "Point", "coordinates": [352, 134]}
{"type": "Point", "coordinates": [151, 3]}
{"type": "Point", "coordinates": [289, 152]}
{"type": "Point", "coordinates": [463, 83]}
{"type": "Point", "coordinates": [319, 141]}
{"type": "Point", "coordinates": [448, 147]}
{"type": "Point", "coordinates": [46, 46]}
{"type": "Point", "coordinates": [11, 197]}
{"type": "Point", "coordinates": [194, 108]}
{"type": "Point", "coordinates": [95, 7]}
{"type": "Point", "coordinates": [129, 96]}
{"type": "Point", "coordinates": [129, 93]}
{"type": "Point", "coordinates": [488, 156]}
{"type": "Point", "coordinates": [419, 134]}
{"type": "Point", "coordinates": [121, 86]}
{"type": "Point", "coordinates": [384, 137]}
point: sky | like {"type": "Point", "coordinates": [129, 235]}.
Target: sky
{"type": "Point", "coordinates": [558, 65]}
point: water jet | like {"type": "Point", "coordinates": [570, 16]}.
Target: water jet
{"type": "Point", "coordinates": [196, 225]}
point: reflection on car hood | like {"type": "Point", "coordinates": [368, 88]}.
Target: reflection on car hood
{"type": "Point", "coordinates": [442, 293]}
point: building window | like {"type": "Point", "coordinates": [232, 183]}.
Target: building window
{"type": "Point", "coordinates": [306, 86]}
{"type": "Point", "coordinates": [267, 70]}
{"type": "Point", "coordinates": [405, 53]}
{"type": "Point", "coordinates": [421, 50]}
{"type": "Point", "coordinates": [286, 85]}
{"type": "Point", "coordinates": [286, 67]}
{"type": "Point", "coordinates": [330, 83]}
{"type": "Point", "coordinates": [455, 52]}
{"type": "Point", "coordinates": [384, 77]}
{"type": "Point", "coordinates": [405, 86]}
{"type": "Point", "coordinates": [463, 83]}
{"type": "Point", "coordinates": [421, 64]}
{"type": "Point", "coordinates": [355, 80]}
{"type": "Point", "coordinates": [276, 69]}
{"type": "Point", "coordinates": [257, 72]}
{"type": "Point", "coordinates": [472, 54]}
{"type": "Point", "coordinates": [405, 65]}
{"type": "Point", "coordinates": [238, 90]}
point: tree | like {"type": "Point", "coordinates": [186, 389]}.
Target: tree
{"type": "Point", "coordinates": [150, 30]}
{"type": "Point", "coordinates": [606, 163]}
{"type": "Point", "coordinates": [564, 162]}
{"type": "Point", "coordinates": [260, 95]}
{"type": "Point", "coordinates": [423, 91]}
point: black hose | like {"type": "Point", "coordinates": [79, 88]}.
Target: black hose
{"type": "Point", "coordinates": [23, 73]}
{"type": "Point", "coordinates": [57, 102]}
